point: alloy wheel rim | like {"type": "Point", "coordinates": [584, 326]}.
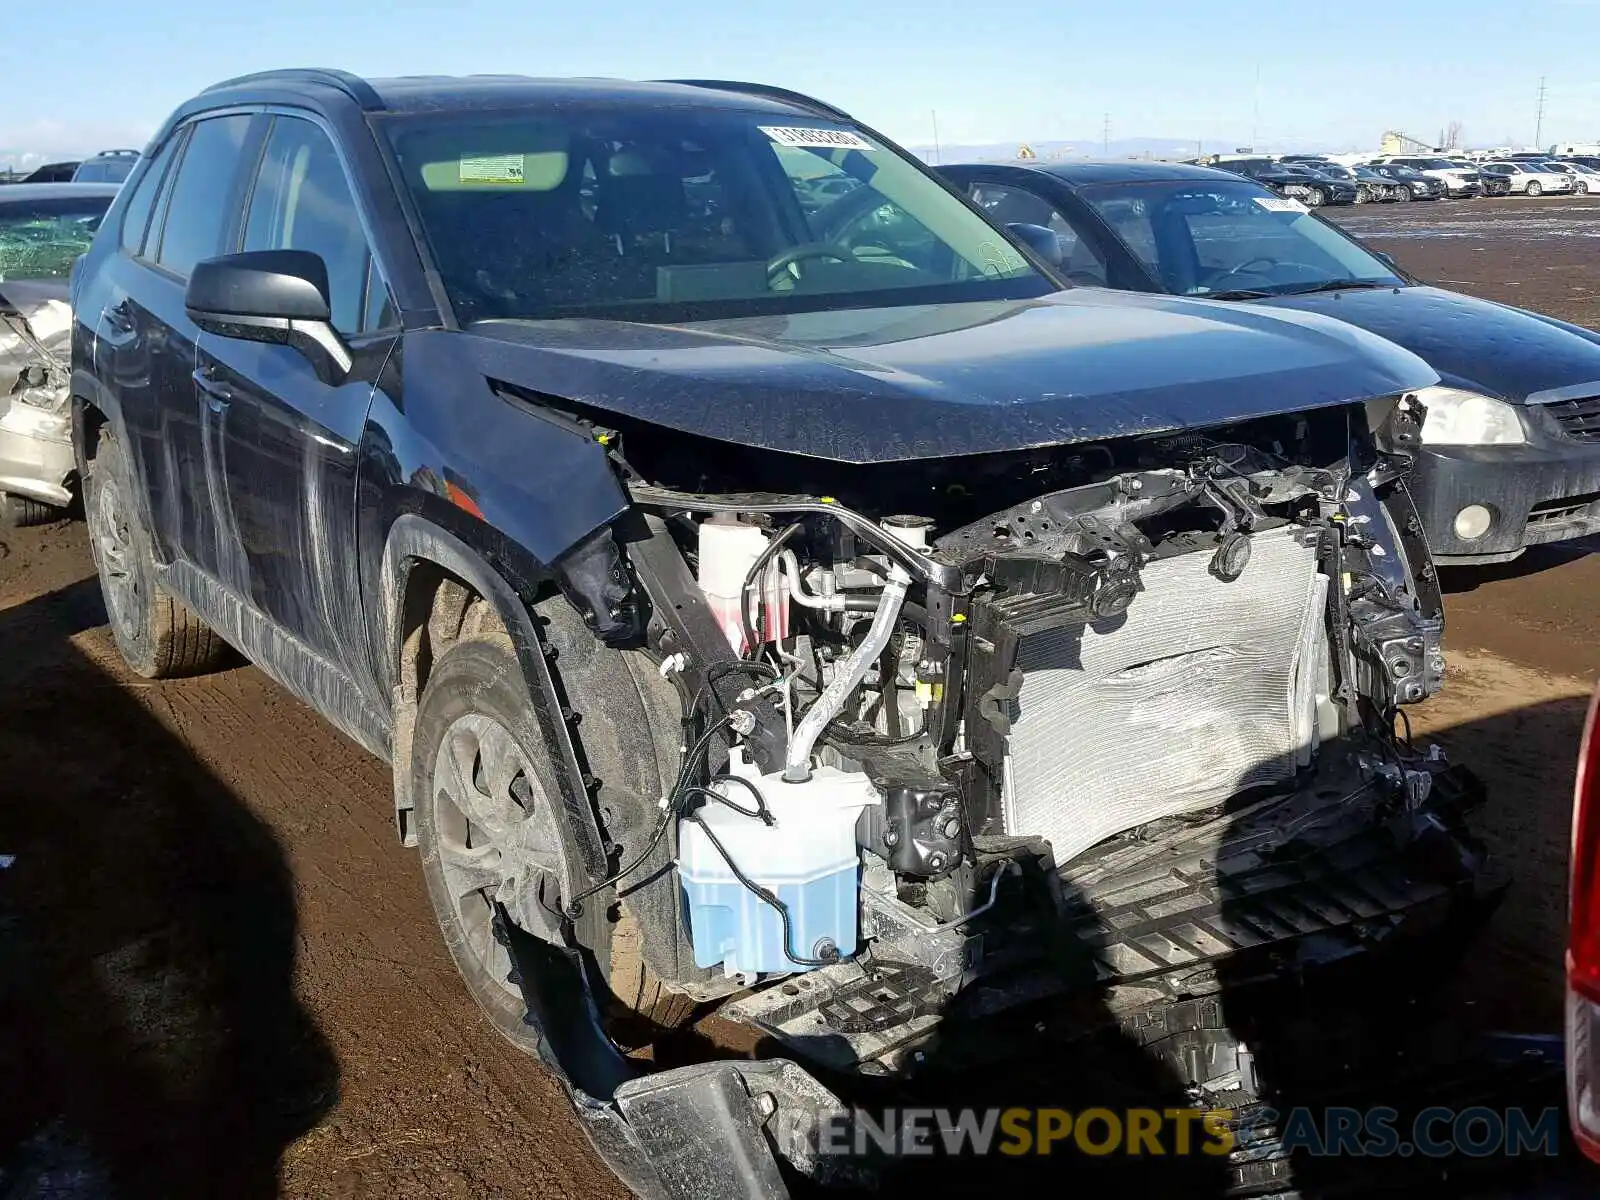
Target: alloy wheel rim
{"type": "Point", "coordinates": [114, 546]}
{"type": "Point", "coordinates": [494, 831]}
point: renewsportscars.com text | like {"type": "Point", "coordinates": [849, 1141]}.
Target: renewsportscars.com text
{"type": "Point", "coordinates": [1154, 1132]}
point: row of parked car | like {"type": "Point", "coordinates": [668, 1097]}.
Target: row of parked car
{"type": "Point", "coordinates": [511, 423]}
{"type": "Point", "coordinates": [1318, 180]}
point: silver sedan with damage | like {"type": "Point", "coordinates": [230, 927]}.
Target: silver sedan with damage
{"type": "Point", "coordinates": [43, 229]}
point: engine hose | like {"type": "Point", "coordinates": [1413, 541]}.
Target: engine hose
{"type": "Point", "coordinates": [765, 896]}
{"type": "Point", "coordinates": [797, 763]}
{"type": "Point", "coordinates": [752, 644]}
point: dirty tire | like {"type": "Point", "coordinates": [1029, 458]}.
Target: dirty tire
{"type": "Point", "coordinates": [18, 511]}
{"type": "Point", "coordinates": [481, 677]}
{"type": "Point", "coordinates": [477, 677]}
{"type": "Point", "coordinates": [157, 634]}
{"type": "Point", "coordinates": [635, 985]}
{"type": "Point", "coordinates": [1535, 188]}
{"type": "Point", "coordinates": [1316, 197]}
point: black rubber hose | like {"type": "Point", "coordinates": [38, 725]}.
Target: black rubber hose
{"type": "Point", "coordinates": [574, 907]}
{"type": "Point", "coordinates": [760, 813]}
{"type": "Point", "coordinates": [751, 642]}
{"type": "Point", "coordinates": [762, 894]}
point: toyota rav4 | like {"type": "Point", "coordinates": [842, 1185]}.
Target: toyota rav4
{"type": "Point", "coordinates": [835, 631]}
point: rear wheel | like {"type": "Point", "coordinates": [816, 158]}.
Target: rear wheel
{"type": "Point", "coordinates": [158, 636]}
{"type": "Point", "coordinates": [1534, 188]}
{"type": "Point", "coordinates": [17, 511]}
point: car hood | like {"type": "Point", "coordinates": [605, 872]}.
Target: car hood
{"type": "Point", "coordinates": [1474, 344]}
{"type": "Point", "coordinates": [895, 384]}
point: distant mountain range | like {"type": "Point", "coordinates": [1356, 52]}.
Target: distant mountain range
{"type": "Point", "coordinates": [1139, 147]}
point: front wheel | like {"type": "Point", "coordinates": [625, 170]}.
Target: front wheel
{"type": "Point", "coordinates": [489, 829]}
{"type": "Point", "coordinates": [157, 634]}
{"type": "Point", "coordinates": [1534, 188]}
{"type": "Point", "coordinates": [1581, 187]}
{"type": "Point", "coordinates": [1316, 197]}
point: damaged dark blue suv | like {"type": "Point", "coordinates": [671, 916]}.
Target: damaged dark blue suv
{"type": "Point", "coordinates": [807, 617]}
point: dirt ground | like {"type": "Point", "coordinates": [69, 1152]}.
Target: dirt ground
{"type": "Point", "coordinates": [219, 974]}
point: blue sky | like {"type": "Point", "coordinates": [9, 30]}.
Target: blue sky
{"type": "Point", "coordinates": [97, 73]}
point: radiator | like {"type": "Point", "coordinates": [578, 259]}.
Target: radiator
{"type": "Point", "coordinates": [1202, 689]}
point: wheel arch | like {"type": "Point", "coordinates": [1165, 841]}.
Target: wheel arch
{"type": "Point", "coordinates": [613, 770]}
{"type": "Point", "coordinates": [419, 558]}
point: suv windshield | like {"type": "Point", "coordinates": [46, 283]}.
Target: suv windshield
{"type": "Point", "coordinates": [40, 238]}
{"type": "Point", "coordinates": [105, 170]}
{"type": "Point", "coordinates": [670, 214]}
{"type": "Point", "coordinates": [1226, 236]}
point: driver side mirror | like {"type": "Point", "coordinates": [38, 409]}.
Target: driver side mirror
{"type": "Point", "coordinates": [1041, 240]}
{"type": "Point", "coordinates": [270, 296]}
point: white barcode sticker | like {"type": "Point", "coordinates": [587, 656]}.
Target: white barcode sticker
{"type": "Point", "coordinates": [493, 168]}
{"type": "Point", "coordinates": [1279, 204]}
{"type": "Point", "coordinates": [816, 139]}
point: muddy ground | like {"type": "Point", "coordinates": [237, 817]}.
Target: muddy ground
{"type": "Point", "coordinates": [219, 974]}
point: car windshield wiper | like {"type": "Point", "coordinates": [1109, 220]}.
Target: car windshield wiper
{"type": "Point", "coordinates": [1338, 285]}
{"type": "Point", "coordinates": [1236, 294]}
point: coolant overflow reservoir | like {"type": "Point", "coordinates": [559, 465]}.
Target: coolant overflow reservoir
{"type": "Point", "coordinates": [808, 858]}
{"type": "Point", "coordinates": [913, 531]}
{"type": "Point", "coordinates": [727, 551]}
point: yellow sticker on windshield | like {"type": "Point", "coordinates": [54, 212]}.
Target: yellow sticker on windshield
{"type": "Point", "coordinates": [815, 139]}
{"type": "Point", "coordinates": [493, 168]}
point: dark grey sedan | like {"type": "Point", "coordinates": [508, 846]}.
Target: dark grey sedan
{"type": "Point", "coordinates": [1511, 446]}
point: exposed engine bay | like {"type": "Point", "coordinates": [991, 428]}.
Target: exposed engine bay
{"type": "Point", "coordinates": [948, 721]}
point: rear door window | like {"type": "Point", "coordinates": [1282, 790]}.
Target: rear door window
{"type": "Point", "coordinates": [302, 201]}
{"type": "Point", "coordinates": [136, 217]}
{"type": "Point", "coordinates": [199, 211]}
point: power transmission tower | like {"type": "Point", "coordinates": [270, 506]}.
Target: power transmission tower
{"type": "Point", "coordinates": [1538, 121]}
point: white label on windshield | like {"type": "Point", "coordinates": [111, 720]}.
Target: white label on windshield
{"type": "Point", "coordinates": [493, 168]}
{"type": "Point", "coordinates": [1278, 204]}
{"type": "Point", "coordinates": [816, 139]}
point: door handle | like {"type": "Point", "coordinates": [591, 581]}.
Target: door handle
{"type": "Point", "coordinates": [120, 317]}
{"type": "Point", "coordinates": [218, 394]}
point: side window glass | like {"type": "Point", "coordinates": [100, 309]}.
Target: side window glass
{"type": "Point", "coordinates": [302, 201]}
{"type": "Point", "coordinates": [1012, 205]}
{"type": "Point", "coordinates": [136, 217]}
{"type": "Point", "coordinates": [198, 210]}
{"type": "Point", "coordinates": [380, 312]}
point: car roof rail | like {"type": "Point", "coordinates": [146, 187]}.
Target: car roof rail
{"type": "Point", "coordinates": [357, 88]}
{"type": "Point", "coordinates": [767, 90]}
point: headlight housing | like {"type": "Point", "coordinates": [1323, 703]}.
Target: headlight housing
{"type": "Point", "coordinates": [1462, 418]}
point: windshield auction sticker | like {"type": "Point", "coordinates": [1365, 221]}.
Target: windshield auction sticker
{"type": "Point", "coordinates": [816, 139]}
{"type": "Point", "coordinates": [1276, 204]}
{"type": "Point", "coordinates": [493, 168]}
